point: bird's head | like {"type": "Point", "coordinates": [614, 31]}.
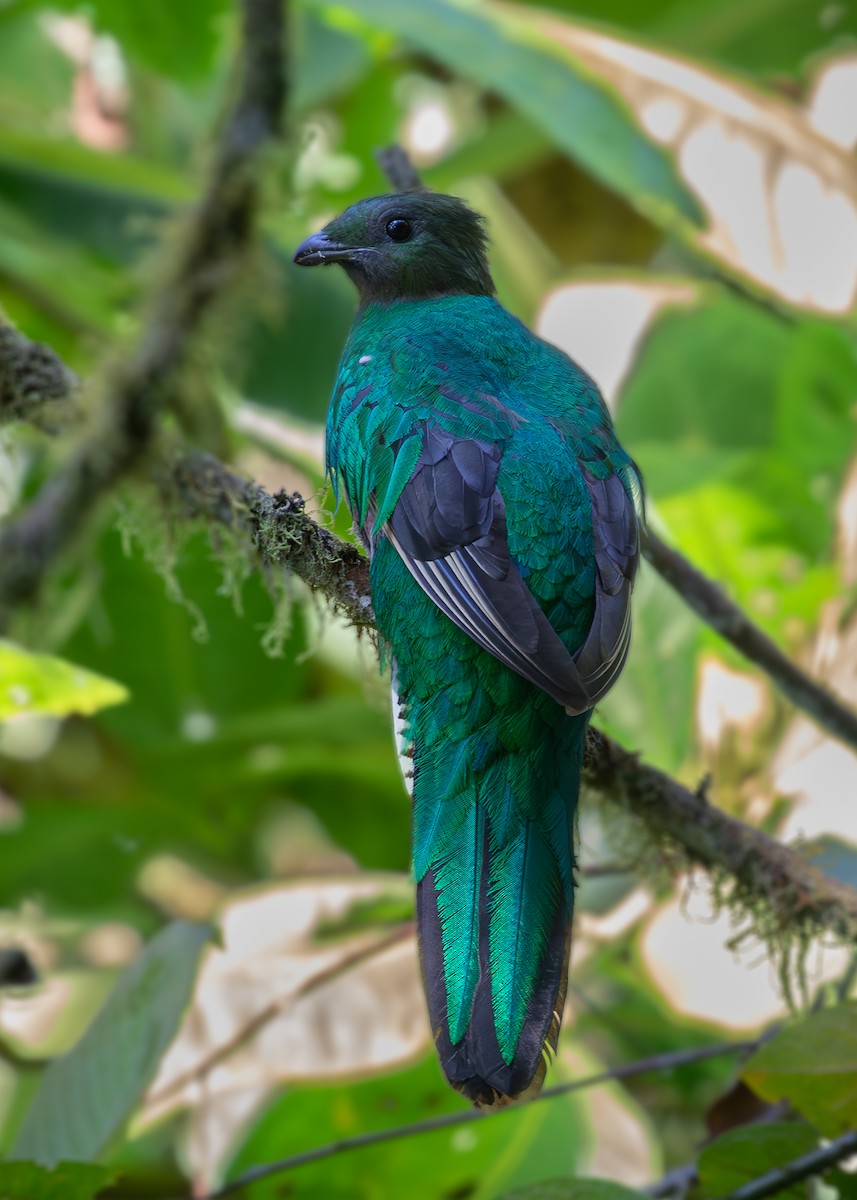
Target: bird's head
{"type": "Point", "coordinates": [411, 245]}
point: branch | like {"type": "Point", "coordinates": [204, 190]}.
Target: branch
{"type": "Point", "coordinates": [214, 244]}
{"type": "Point", "coordinates": [273, 1009]}
{"type": "Point", "coordinates": [724, 616]}
{"type": "Point", "coordinates": [35, 385]}
{"type": "Point", "coordinates": [643, 1066]}
{"type": "Point", "coordinates": [797, 1170]}
{"type": "Point", "coordinates": [31, 377]}
{"type": "Point", "coordinates": [200, 486]}
{"type": "Point", "coordinates": [795, 893]}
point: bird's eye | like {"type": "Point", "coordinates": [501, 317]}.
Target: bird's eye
{"type": "Point", "coordinates": [399, 229]}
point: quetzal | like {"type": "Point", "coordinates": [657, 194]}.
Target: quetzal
{"type": "Point", "coordinates": [500, 516]}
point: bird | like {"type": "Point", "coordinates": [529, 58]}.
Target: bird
{"type": "Point", "coordinates": [501, 518]}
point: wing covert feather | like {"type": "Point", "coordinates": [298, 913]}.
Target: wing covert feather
{"type": "Point", "coordinates": [449, 528]}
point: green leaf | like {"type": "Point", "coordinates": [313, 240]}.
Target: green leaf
{"type": "Point", "coordinates": [765, 36]}
{"type": "Point", "coordinates": [179, 40]}
{"type": "Point", "coordinates": [522, 1145]}
{"type": "Point", "coordinates": [653, 703]}
{"type": "Point", "coordinates": [813, 1065]}
{"type": "Point", "coordinates": [573, 1189]}
{"type": "Point", "coordinates": [86, 1096]}
{"type": "Point", "coordinates": [744, 1154]}
{"type": "Point", "coordinates": [743, 427]}
{"type": "Point", "coordinates": [503, 52]}
{"type": "Point", "coordinates": [68, 1181]}
{"type": "Point", "coordinates": [38, 683]}
{"type": "Point", "coordinates": [327, 60]}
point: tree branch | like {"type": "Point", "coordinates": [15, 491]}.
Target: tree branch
{"type": "Point", "coordinates": [198, 485]}
{"type": "Point", "coordinates": [643, 1066]}
{"type": "Point", "coordinates": [31, 381]}
{"type": "Point", "coordinates": [217, 235]}
{"type": "Point", "coordinates": [797, 1170]}
{"type": "Point", "coordinates": [796, 895]}
{"type": "Point", "coordinates": [724, 616]}
{"type": "Point", "coordinates": [35, 385]}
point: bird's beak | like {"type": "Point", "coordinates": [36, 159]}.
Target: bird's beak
{"type": "Point", "coordinates": [319, 249]}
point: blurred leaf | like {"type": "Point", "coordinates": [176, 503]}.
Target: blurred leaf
{"type": "Point", "coordinates": [652, 706]}
{"type": "Point", "coordinates": [769, 35]}
{"type": "Point", "coordinates": [78, 166]}
{"type": "Point", "coordinates": [38, 683]}
{"type": "Point", "coordinates": [86, 1096]}
{"type": "Point", "coordinates": [504, 51]}
{"type": "Point", "coordinates": [175, 39]}
{"type": "Point", "coordinates": [776, 35]}
{"type": "Point", "coordinates": [217, 732]}
{"type": "Point", "coordinates": [327, 60]}
{"type": "Point", "coordinates": [674, 397]}
{"type": "Point", "coordinates": [112, 203]}
{"type": "Point", "coordinates": [743, 427]}
{"type": "Point", "coordinates": [37, 76]}
{"type": "Point", "coordinates": [573, 1189]}
{"type": "Point", "coordinates": [317, 311]}
{"type": "Point", "coordinates": [742, 1155]}
{"type": "Point", "coordinates": [277, 1003]}
{"type": "Point", "coordinates": [813, 1065]}
{"type": "Point", "coordinates": [845, 1184]}
{"type": "Point", "coordinates": [75, 856]}
{"type": "Point", "coordinates": [529, 1142]}
{"type": "Point", "coordinates": [67, 1181]}
{"type": "Point", "coordinates": [780, 196]}
{"type": "Point", "coordinates": [834, 857]}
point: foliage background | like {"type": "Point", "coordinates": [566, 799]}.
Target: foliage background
{"type": "Point", "coordinates": [671, 191]}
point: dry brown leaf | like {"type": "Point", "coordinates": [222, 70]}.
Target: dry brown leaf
{"type": "Point", "coordinates": [279, 1004]}
{"type": "Point", "coordinates": [780, 195]}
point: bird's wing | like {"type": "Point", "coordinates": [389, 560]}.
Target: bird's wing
{"type": "Point", "coordinates": [616, 537]}
{"type": "Point", "coordinates": [449, 528]}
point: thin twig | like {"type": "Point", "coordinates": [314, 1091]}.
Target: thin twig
{"type": "Point", "coordinates": [643, 1066]}
{"type": "Point", "coordinates": [676, 1183]}
{"type": "Point", "coordinates": [712, 604]}
{"type": "Point", "coordinates": [217, 235]}
{"type": "Point", "coordinates": [275, 1008]}
{"type": "Point", "coordinates": [797, 1170]}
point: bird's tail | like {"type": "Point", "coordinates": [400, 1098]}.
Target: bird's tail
{"type": "Point", "coordinates": [493, 859]}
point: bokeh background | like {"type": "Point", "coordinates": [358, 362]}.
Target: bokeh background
{"type": "Point", "coordinates": [671, 193]}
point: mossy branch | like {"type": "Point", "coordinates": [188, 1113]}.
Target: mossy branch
{"type": "Point", "coordinates": [796, 898]}
{"type": "Point", "coordinates": [199, 486]}
{"type": "Point", "coordinates": [217, 236]}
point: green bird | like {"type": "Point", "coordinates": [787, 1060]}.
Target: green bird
{"type": "Point", "coordinates": [500, 516]}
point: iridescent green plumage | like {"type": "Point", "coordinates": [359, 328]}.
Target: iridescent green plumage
{"type": "Point", "coordinates": [482, 469]}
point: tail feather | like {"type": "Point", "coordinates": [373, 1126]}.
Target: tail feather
{"type": "Point", "coordinates": [475, 1065]}
{"type": "Point", "coordinates": [457, 905]}
{"type": "Point", "coordinates": [494, 909]}
{"type": "Point", "coordinates": [526, 901]}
